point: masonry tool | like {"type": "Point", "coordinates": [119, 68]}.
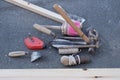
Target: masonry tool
{"type": "Point", "coordinates": [34, 55]}
{"type": "Point", "coordinates": [91, 42]}
{"type": "Point", "coordinates": [60, 41]}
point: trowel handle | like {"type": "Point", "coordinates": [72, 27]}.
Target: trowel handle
{"type": "Point", "coordinates": [62, 12]}
{"type": "Point", "coordinates": [43, 29]}
{"type": "Point", "coordinates": [17, 53]}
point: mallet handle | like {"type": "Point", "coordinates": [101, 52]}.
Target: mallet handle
{"type": "Point", "coordinates": [69, 21]}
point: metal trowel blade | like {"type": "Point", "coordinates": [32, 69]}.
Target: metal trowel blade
{"type": "Point", "coordinates": [35, 56]}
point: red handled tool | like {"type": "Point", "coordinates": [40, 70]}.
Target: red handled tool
{"type": "Point", "coordinates": [33, 43]}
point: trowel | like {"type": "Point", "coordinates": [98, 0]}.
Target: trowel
{"type": "Point", "coordinates": [34, 55]}
{"type": "Point", "coordinates": [56, 39]}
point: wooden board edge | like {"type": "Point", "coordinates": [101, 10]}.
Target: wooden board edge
{"type": "Point", "coordinates": [51, 74]}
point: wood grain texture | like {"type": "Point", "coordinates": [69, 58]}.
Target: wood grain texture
{"type": "Point", "coordinates": [42, 29]}
{"type": "Point", "coordinates": [37, 9]}
{"type": "Point", "coordinates": [60, 74]}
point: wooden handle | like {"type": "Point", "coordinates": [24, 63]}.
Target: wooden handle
{"type": "Point", "coordinates": [42, 29]}
{"type": "Point", "coordinates": [69, 21]}
{"type": "Point", "coordinates": [17, 53]}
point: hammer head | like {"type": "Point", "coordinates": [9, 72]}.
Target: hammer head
{"type": "Point", "coordinates": [93, 37]}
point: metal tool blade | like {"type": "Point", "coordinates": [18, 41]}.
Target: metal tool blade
{"type": "Point", "coordinates": [72, 38]}
{"type": "Point", "coordinates": [72, 46]}
{"type": "Point", "coordinates": [68, 42]}
{"type": "Point", "coordinates": [35, 56]}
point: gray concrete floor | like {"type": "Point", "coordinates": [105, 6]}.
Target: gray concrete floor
{"type": "Point", "coordinates": [16, 23]}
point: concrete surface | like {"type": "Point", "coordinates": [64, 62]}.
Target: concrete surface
{"type": "Point", "coordinates": [16, 23]}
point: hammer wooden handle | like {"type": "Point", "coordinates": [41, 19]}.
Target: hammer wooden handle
{"type": "Point", "coordinates": [69, 21]}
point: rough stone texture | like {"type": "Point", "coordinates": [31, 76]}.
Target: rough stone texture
{"type": "Point", "coordinates": [16, 23]}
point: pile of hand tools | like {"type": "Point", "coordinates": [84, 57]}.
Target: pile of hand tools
{"type": "Point", "coordinates": [72, 42]}
{"type": "Point", "coordinates": [33, 44]}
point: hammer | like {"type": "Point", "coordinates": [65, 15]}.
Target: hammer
{"type": "Point", "coordinates": [89, 40]}
{"type": "Point", "coordinates": [94, 42]}
{"type": "Point", "coordinates": [62, 12]}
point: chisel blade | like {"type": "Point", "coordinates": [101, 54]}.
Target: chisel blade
{"type": "Point", "coordinates": [72, 46]}
{"type": "Point", "coordinates": [68, 42]}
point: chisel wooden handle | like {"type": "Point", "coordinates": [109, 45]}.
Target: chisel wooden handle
{"type": "Point", "coordinates": [17, 53]}
{"type": "Point", "coordinates": [43, 29]}
{"type": "Point", "coordinates": [60, 10]}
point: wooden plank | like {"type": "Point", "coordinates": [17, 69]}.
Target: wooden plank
{"type": "Point", "coordinates": [20, 78]}
{"type": "Point", "coordinates": [37, 9]}
{"type": "Point", "coordinates": [60, 74]}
